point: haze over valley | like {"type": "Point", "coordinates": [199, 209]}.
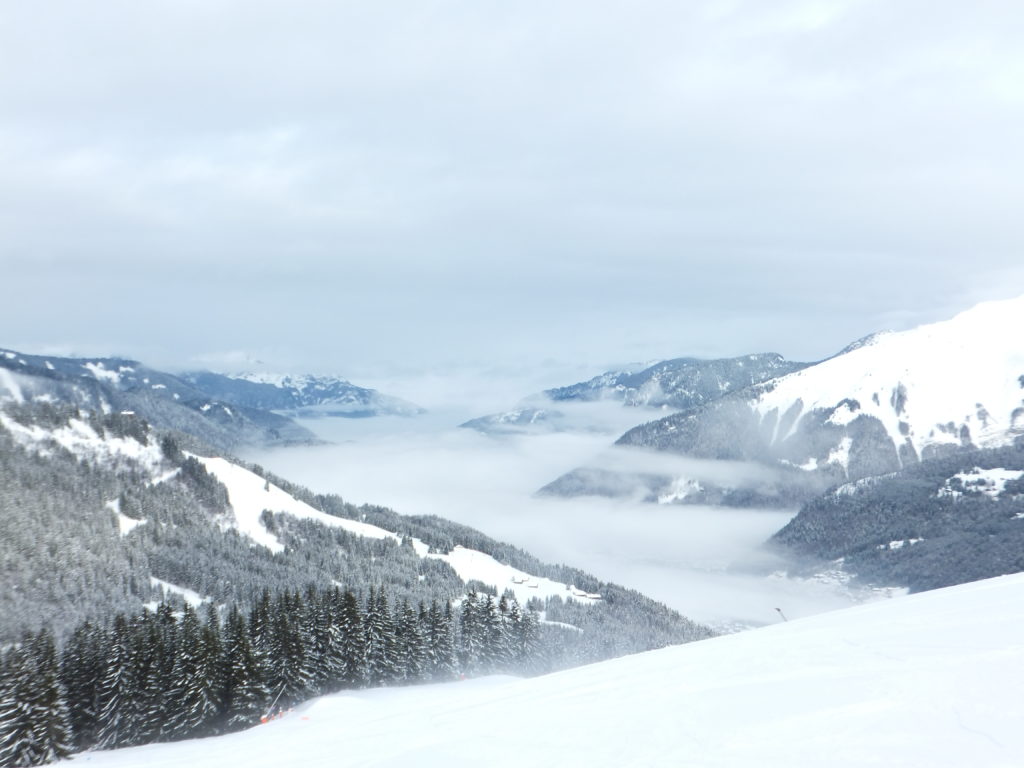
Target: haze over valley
{"type": "Point", "coordinates": [422, 383]}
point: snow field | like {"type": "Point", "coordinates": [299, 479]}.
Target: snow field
{"type": "Point", "coordinates": [932, 679]}
{"type": "Point", "coordinates": [470, 564]}
{"type": "Point", "coordinates": [190, 596]}
{"type": "Point", "coordinates": [951, 371]}
{"type": "Point", "coordinates": [249, 494]}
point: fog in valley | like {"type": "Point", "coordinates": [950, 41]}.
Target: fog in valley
{"type": "Point", "coordinates": [703, 561]}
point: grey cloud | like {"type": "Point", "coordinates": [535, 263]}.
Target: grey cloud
{"type": "Point", "coordinates": [374, 181]}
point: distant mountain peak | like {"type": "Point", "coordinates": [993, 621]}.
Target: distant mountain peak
{"type": "Point", "coordinates": [301, 394]}
{"type": "Point", "coordinates": [887, 400]}
{"type": "Point", "coordinates": [679, 383]}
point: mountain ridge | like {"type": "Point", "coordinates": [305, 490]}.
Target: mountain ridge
{"type": "Point", "coordinates": [888, 400]}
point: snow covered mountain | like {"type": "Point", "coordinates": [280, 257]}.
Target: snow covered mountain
{"type": "Point", "coordinates": [931, 679]}
{"type": "Point", "coordinates": [681, 383]}
{"type": "Point", "coordinates": [164, 400]}
{"type": "Point", "coordinates": [300, 395]}
{"type": "Point", "coordinates": [890, 400]}
{"type": "Point", "coordinates": [524, 419]}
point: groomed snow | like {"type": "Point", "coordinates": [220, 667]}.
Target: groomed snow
{"type": "Point", "coordinates": [927, 680]}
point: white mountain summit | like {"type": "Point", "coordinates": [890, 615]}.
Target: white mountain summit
{"type": "Point", "coordinates": [892, 399]}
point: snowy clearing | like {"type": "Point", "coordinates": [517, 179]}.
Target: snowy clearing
{"type": "Point", "coordinates": [191, 597]}
{"type": "Point", "coordinates": [249, 494]}
{"type": "Point", "coordinates": [990, 482]}
{"type": "Point", "coordinates": [931, 679]}
{"type": "Point", "coordinates": [470, 564]}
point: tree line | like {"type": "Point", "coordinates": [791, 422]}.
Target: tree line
{"type": "Point", "coordinates": [166, 674]}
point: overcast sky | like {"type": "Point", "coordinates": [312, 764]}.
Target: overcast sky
{"type": "Point", "coordinates": [386, 186]}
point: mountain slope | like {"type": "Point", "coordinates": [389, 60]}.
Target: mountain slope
{"type": "Point", "coordinates": [300, 395]}
{"type": "Point", "coordinates": [681, 383]}
{"type": "Point", "coordinates": [929, 679]}
{"type": "Point", "coordinates": [100, 510]}
{"type": "Point", "coordinates": [945, 521]}
{"type": "Point", "coordinates": [889, 400]}
{"type": "Point", "coordinates": [164, 400]}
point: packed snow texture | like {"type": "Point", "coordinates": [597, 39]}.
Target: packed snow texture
{"type": "Point", "coordinates": [965, 371]}
{"type": "Point", "coordinates": [932, 679]}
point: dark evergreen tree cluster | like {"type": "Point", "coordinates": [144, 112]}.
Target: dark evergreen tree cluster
{"type": "Point", "coordinates": [35, 724]}
{"type": "Point", "coordinates": [960, 532]}
{"type": "Point", "coordinates": [168, 675]}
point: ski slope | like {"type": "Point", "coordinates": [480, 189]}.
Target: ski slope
{"type": "Point", "coordinates": [933, 679]}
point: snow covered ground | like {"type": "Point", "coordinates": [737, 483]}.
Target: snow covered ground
{"type": "Point", "coordinates": [249, 494]}
{"type": "Point", "coordinates": [924, 384]}
{"type": "Point", "coordinates": [927, 680]}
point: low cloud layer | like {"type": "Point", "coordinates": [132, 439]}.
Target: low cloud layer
{"type": "Point", "coordinates": [703, 561]}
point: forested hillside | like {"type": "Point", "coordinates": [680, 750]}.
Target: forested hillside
{"type": "Point", "coordinates": [945, 521]}
{"type": "Point", "coordinates": [113, 532]}
{"type": "Point", "coordinates": [109, 385]}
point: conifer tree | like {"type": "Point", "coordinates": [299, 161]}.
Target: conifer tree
{"type": "Point", "coordinates": [353, 634]}
{"type": "Point", "coordinates": [495, 645]}
{"type": "Point", "coordinates": [160, 681]}
{"type": "Point", "coordinates": [289, 664]}
{"type": "Point", "coordinates": [410, 656]}
{"type": "Point", "coordinates": [246, 694]}
{"type": "Point", "coordinates": [333, 662]}
{"type": "Point", "coordinates": [50, 720]}
{"type": "Point", "coordinates": [210, 678]}
{"type": "Point", "coordinates": [118, 691]}
{"type": "Point", "coordinates": [380, 640]}
{"type": "Point", "coordinates": [147, 661]}
{"type": "Point", "coordinates": [441, 643]}
{"type": "Point", "coordinates": [316, 637]}
{"type": "Point", "coordinates": [190, 705]}
{"type": "Point", "coordinates": [18, 745]}
{"type": "Point", "coordinates": [82, 669]}
{"type": "Point", "coordinates": [471, 635]}
{"type": "Point", "coordinates": [261, 627]}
